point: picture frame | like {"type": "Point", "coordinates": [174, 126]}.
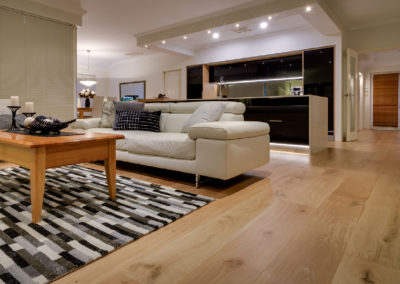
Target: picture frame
{"type": "Point", "coordinates": [133, 90]}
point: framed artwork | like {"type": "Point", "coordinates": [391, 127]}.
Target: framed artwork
{"type": "Point", "coordinates": [132, 90]}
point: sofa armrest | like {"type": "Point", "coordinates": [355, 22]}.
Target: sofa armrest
{"type": "Point", "coordinates": [228, 130]}
{"type": "Point", "coordinates": [86, 123]}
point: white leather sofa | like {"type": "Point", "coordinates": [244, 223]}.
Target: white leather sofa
{"type": "Point", "coordinates": [222, 149]}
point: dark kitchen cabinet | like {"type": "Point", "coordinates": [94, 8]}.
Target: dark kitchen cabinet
{"type": "Point", "coordinates": [319, 78]}
{"type": "Point", "coordinates": [194, 82]}
{"type": "Point", "coordinates": [280, 67]}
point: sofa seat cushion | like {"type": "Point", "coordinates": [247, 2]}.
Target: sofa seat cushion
{"type": "Point", "coordinates": [162, 144]}
{"type": "Point", "coordinates": [121, 144]}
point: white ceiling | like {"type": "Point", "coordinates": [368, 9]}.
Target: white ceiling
{"type": "Point", "coordinates": [358, 14]}
{"type": "Point", "coordinates": [247, 28]}
{"type": "Point", "coordinates": [109, 26]}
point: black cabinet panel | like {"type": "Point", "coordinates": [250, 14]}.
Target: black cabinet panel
{"type": "Point", "coordinates": [287, 117]}
{"type": "Point", "coordinates": [319, 78]}
{"type": "Point", "coordinates": [288, 66]}
{"type": "Point", "coordinates": [194, 82]}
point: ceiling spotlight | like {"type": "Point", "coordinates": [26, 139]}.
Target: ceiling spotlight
{"type": "Point", "coordinates": [308, 9]}
{"type": "Point", "coordinates": [146, 46]}
{"type": "Point", "coordinates": [270, 18]}
{"type": "Point", "coordinates": [215, 35]}
{"type": "Point", "coordinates": [185, 37]}
{"type": "Point", "coordinates": [237, 25]}
{"type": "Point", "coordinates": [263, 25]}
{"type": "Point", "coordinates": [163, 42]}
{"type": "Point", "coordinates": [209, 31]}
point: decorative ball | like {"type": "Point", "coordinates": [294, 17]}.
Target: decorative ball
{"type": "Point", "coordinates": [28, 121]}
{"type": "Point", "coordinates": [40, 117]}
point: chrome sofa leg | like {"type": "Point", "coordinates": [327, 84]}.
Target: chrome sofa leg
{"type": "Point", "coordinates": [197, 181]}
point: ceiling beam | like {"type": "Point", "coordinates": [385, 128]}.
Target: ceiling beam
{"type": "Point", "coordinates": [174, 49]}
{"type": "Point", "coordinates": [332, 14]}
{"type": "Point", "coordinates": [321, 21]}
{"type": "Point", "coordinates": [226, 17]}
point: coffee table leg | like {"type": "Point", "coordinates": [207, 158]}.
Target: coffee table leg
{"type": "Point", "coordinates": [38, 172]}
{"type": "Point", "coordinates": [110, 166]}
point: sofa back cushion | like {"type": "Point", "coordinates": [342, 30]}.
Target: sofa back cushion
{"type": "Point", "coordinates": [190, 107]}
{"type": "Point", "coordinates": [173, 122]}
{"type": "Point", "coordinates": [174, 115]}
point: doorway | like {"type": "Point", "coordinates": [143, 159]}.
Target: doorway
{"type": "Point", "coordinates": [173, 84]}
{"type": "Point", "coordinates": [385, 100]}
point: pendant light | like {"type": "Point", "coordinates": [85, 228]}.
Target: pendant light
{"type": "Point", "coordinates": [87, 79]}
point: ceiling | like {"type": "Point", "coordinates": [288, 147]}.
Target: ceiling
{"type": "Point", "coordinates": [109, 27]}
{"type": "Point", "coordinates": [357, 14]}
{"type": "Point", "coordinates": [247, 28]}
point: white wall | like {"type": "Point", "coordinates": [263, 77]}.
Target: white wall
{"type": "Point", "coordinates": [376, 63]}
{"type": "Point", "coordinates": [151, 68]}
{"type": "Point", "coordinates": [102, 86]}
{"type": "Point", "coordinates": [375, 38]}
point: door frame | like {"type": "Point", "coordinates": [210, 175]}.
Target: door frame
{"type": "Point", "coordinates": [371, 117]}
{"type": "Point", "coordinates": [361, 100]}
{"type": "Point", "coordinates": [351, 135]}
{"type": "Point", "coordinates": [180, 79]}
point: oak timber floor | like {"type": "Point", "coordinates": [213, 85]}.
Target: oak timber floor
{"type": "Point", "coordinates": [333, 217]}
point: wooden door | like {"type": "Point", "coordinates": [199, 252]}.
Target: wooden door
{"type": "Point", "coordinates": [386, 94]}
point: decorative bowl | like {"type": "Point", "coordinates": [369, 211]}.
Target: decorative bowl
{"type": "Point", "coordinates": [46, 125]}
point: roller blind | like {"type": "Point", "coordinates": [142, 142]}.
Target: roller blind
{"type": "Point", "coordinates": [38, 62]}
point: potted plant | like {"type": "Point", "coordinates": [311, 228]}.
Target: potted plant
{"type": "Point", "coordinates": [87, 94]}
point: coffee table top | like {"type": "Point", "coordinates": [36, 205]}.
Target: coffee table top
{"type": "Point", "coordinates": [29, 141]}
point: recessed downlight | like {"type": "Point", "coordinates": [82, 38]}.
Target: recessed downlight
{"type": "Point", "coordinates": [209, 31]}
{"type": "Point", "coordinates": [146, 46]}
{"type": "Point", "coordinates": [270, 18]}
{"type": "Point", "coordinates": [163, 42]}
{"type": "Point", "coordinates": [308, 9]}
{"type": "Point", "coordinates": [215, 35]}
{"type": "Point", "coordinates": [237, 25]}
{"type": "Point", "coordinates": [185, 37]}
{"type": "Point", "coordinates": [263, 25]}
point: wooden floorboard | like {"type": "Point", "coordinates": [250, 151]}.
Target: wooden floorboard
{"type": "Point", "coordinates": [333, 217]}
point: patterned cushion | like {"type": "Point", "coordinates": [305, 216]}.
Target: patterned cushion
{"type": "Point", "coordinates": [108, 115]}
{"type": "Point", "coordinates": [134, 120]}
{"type": "Point", "coordinates": [126, 106]}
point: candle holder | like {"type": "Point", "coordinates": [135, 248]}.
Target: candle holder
{"type": "Point", "coordinates": [29, 114]}
{"type": "Point", "coordinates": [14, 126]}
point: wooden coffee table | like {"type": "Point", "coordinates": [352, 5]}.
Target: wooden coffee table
{"type": "Point", "coordinates": [40, 153]}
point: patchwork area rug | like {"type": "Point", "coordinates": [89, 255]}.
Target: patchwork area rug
{"type": "Point", "coordinates": [79, 223]}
